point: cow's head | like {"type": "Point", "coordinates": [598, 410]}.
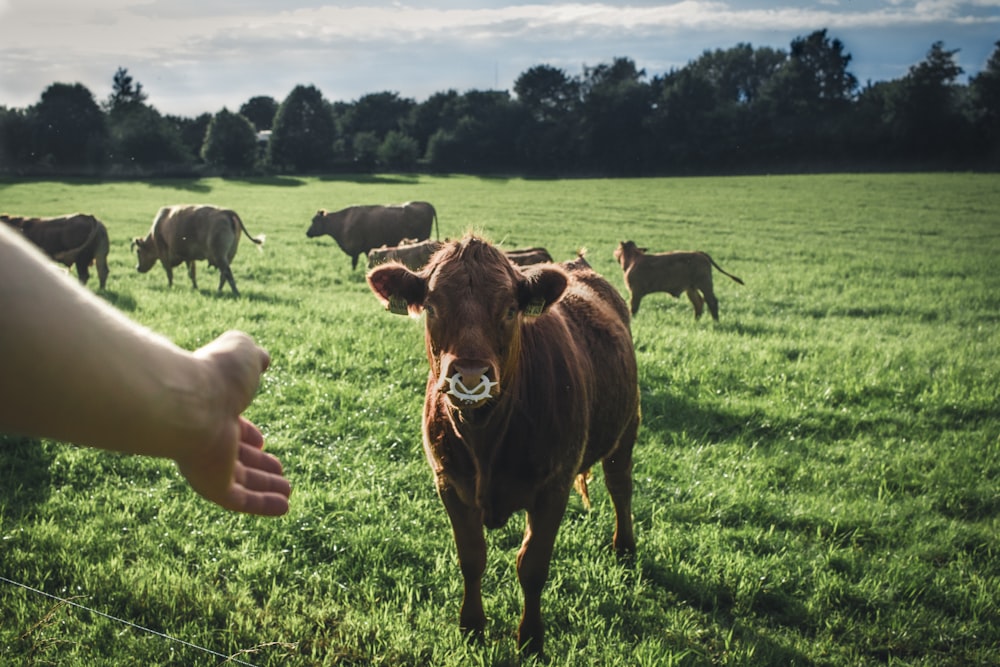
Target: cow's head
{"type": "Point", "coordinates": [627, 252]}
{"type": "Point", "coordinates": [476, 302]}
{"type": "Point", "coordinates": [147, 253]}
{"type": "Point", "coordinates": [322, 223]}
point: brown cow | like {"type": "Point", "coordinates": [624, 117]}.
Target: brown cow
{"type": "Point", "coordinates": [186, 233]}
{"type": "Point", "coordinates": [358, 229]}
{"type": "Point", "coordinates": [672, 272]}
{"type": "Point", "coordinates": [78, 238]}
{"type": "Point", "coordinates": [532, 381]}
{"type": "Point", "coordinates": [414, 254]}
{"type": "Point", "coordinates": [528, 256]}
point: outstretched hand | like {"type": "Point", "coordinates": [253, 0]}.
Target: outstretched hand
{"type": "Point", "coordinates": [230, 468]}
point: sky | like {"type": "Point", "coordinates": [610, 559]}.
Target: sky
{"type": "Point", "coordinates": [196, 56]}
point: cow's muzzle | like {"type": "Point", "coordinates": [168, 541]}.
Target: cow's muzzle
{"type": "Point", "coordinates": [469, 385]}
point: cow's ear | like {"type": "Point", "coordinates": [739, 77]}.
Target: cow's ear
{"type": "Point", "coordinates": [540, 288]}
{"type": "Point", "coordinates": [400, 290]}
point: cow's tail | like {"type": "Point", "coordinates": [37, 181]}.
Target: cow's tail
{"type": "Point", "coordinates": [437, 232]}
{"type": "Point", "coordinates": [721, 270]}
{"type": "Point", "coordinates": [260, 239]}
{"type": "Point", "coordinates": [580, 484]}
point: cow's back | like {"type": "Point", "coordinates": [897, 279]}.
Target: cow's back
{"type": "Point", "coordinates": [66, 238]}
{"type": "Point", "coordinates": [376, 225]}
{"type": "Point", "coordinates": [598, 321]}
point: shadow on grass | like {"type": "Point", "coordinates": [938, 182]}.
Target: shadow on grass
{"type": "Point", "coordinates": [124, 302]}
{"type": "Point", "coordinates": [183, 184]}
{"type": "Point", "coordinates": [719, 603]}
{"type": "Point", "coordinates": [25, 480]}
{"type": "Point", "coordinates": [372, 179]}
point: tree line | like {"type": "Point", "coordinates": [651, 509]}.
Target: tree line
{"type": "Point", "coordinates": [729, 110]}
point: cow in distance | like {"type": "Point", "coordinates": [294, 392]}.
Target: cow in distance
{"type": "Point", "coordinates": [77, 238]}
{"type": "Point", "coordinates": [186, 233]}
{"type": "Point", "coordinates": [532, 381]}
{"type": "Point", "coordinates": [528, 256]}
{"type": "Point", "coordinates": [414, 254]}
{"type": "Point", "coordinates": [359, 229]}
{"type": "Point", "coordinates": [675, 272]}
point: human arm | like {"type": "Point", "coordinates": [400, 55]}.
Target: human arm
{"type": "Point", "coordinates": [78, 370]}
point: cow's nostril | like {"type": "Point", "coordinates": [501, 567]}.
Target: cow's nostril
{"type": "Point", "coordinates": [471, 376]}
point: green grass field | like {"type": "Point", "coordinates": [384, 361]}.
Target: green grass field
{"type": "Point", "coordinates": [817, 475]}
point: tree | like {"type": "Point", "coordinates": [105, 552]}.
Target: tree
{"type": "Point", "coordinates": [260, 111]}
{"type": "Point", "coordinates": [191, 130]}
{"type": "Point", "coordinates": [616, 103]}
{"type": "Point", "coordinates": [364, 149]}
{"type": "Point", "coordinates": [304, 132]}
{"type": "Point", "coordinates": [379, 113]}
{"type": "Point", "coordinates": [230, 142]}
{"type": "Point", "coordinates": [985, 93]}
{"type": "Point", "coordinates": [124, 92]}
{"type": "Point", "coordinates": [483, 138]}
{"type": "Point", "coordinates": [923, 112]}
{"type": "Point", "coordinates": [548, 93]}
{"type": "Point", "coordinates": [68, 128]}
{"type": "Point", "coordinates": [15, 138]}
{"type": "Point", "coordinates": [807, 101]}
{"type": "Point", "coordinates": [398, 151]}
{"type": "Point", "coordinates": [551, 99]}
{"type": "Point", "coordinates": [143, 140]}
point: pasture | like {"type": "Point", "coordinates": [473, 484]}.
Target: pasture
{"type": "Point", "coordinates": [817, 475]}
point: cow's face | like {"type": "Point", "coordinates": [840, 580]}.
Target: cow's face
{"type": "Point", "coordinates": [321, 224]}
{"type": "Point", "coordinates": [146, 251]}
{"type": "Point", "coordinates": [627, 251]}
{"type": "Point", "coordinates": [475, 301]}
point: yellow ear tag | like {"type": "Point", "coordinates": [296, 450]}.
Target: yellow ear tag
{"type": "Point", "coordinates": [398, 306]}
{"type": "Point", "coordinates": [535, 307]}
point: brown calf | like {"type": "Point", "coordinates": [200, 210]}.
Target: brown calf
{"type": "Point", "coordinates": [532, 381]}
{"type": "Point", "coordinates": [672, 272]}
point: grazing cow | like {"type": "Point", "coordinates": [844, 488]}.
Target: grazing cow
{"type": "Point", "coordinates": [358, 229]}
{"type": "Point", "coordinates": [528, 256]}
{"type": "Point", "coordinates": [672, 272]}
{"type": "Point", "coordinates": [532, 381]}
{"type": "Point", "coordinates": [415, 254]}
{"type": "Point", "coordinates": [68, 239]}
{"type": "Point", "coordinates": [186, 233]}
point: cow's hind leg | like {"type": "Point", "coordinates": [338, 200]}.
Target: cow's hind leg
{"type": "Point", "coordinates": [618, 478]}
{"type": "Point", "coordinates": [470, 542]}
{"type": "Point", "coordinates": [226, 275]}
{"type": "Point", "coordinates": [713, 303]}
{"type": "Point", "coordinates": [533, 565]}
{"type": "Point", "coordinates": [102, 269]}
{"type": "Point", "coordinates": [696, 301]}
{"type": "Point", "coordinates": [193, 273]}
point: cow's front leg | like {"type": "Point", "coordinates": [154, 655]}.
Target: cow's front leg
{"type": "Point", "coordinates": [467, 527]}
{"type": "Point", "coordinates": [191, 272]}
{"type": "Point", "coordinates": [533, 560]}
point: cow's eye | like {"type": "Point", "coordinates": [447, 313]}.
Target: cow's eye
{"type": "Point", "coordinates": [511, 312]}
{"type": "Point", "coordinates": [429, 310]}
